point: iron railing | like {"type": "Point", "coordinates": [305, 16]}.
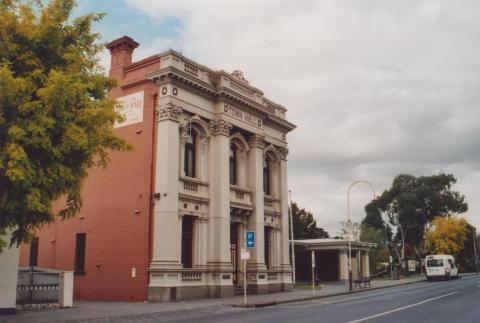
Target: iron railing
{"type": "Point", "coordinates": [37, 288]}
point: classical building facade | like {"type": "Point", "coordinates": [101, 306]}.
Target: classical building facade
{"type": "Point", "coordinates": [168, 220]}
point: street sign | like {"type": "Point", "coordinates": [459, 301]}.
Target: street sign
{"type": "Point", "coordinates": [250, 238]}
{"type": "Point", "coordinates": [313, 259]}
{"type": "Point", "coordinates": [245, 254]}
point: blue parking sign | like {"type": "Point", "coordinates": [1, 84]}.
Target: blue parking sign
{"type": "Point", "coordinates": [250, 238]}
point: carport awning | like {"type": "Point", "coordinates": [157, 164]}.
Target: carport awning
{"type": "Point", "coordinates": [332, 244]}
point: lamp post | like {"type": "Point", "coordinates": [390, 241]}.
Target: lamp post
{"type": "Point", "coordinates": [349, 224]}
{"type": "Point", "coordinates": [292, 246]}
{"type": "Point", "coordinates": [475, 255]}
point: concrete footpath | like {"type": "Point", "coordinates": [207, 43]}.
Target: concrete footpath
{"type": "Point", "coordinates": [145, 312]}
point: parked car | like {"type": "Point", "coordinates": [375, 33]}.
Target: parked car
{"type": "Point", "coordinates": [440, 266]}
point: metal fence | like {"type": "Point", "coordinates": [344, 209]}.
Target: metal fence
{"type": "Point", "coordinates": [37, 288]}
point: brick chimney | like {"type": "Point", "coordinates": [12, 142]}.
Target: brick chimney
{"type": "Point", "coordinates": [121, 51]}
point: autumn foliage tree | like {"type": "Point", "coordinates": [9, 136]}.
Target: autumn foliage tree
{"type": "Point", "coordinates": [56, 121]}
{"type": "Point", "coordinates": [446, 235]}
{"type": "Point", "coordinates": [411, 204]}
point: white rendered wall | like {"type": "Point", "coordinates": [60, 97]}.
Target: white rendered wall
{"type": "Point", "coordinates": [8, 276]}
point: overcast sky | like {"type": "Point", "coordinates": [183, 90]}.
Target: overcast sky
{"type": "Point", "coordinates": [377, 88]}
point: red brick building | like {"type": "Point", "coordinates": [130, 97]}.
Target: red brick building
{"type": "Point", "coordinates": [110, 244]}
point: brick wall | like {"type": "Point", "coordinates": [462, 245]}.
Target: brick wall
{"type": "Point", "coordinates": [115, 215]}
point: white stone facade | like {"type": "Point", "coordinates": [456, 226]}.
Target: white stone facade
{"type": "Point", "coordinates": [212, 124]}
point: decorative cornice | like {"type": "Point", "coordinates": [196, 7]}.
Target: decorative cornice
{"type": "Point", "coordinates": [168, 112]}
{"type": "Point", "coordinates": [283, 152]}
{"type": "Point", "coordinates": [256, 141]}
{"type": "Point", "coordinates": [220, 127]}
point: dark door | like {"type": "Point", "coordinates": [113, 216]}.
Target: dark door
{"type": "Point", "coordinates": [326, 265]}
{"type": "Point", "coordinates": [234, 250]}
{"type": "Point", "coordinates": [266, 235]}
{"type": "Point", "coordinates": [187, 242]}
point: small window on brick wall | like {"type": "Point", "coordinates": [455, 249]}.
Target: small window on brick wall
{"type": "Point", "coordinates": [80, 247]}
{"type": "Point", "coordinates": [33, 261]}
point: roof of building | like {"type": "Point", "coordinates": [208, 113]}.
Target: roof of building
{"type": "Point", "coordinates": [332, 244]}
{"type": "Point", "coordinates": [233, 87]}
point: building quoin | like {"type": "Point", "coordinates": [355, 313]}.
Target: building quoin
{"type": "Point", "coordinates": [167, 220]}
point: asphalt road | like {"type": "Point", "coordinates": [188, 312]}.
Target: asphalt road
{"type": "Point", "coordinates": [440, 301]}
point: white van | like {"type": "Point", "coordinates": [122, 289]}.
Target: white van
{"type": "Point", "coordinates": [440, 266]}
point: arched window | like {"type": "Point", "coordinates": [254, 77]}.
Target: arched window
{"type": "Point", "coordinates": [266, 175]}
{"type": "Point", "coordinates": [233, 165]}
{"type": "Point", "coordinates": [190, 153]}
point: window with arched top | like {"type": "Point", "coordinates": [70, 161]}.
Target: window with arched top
{"type": "Point", "coordinates": [267, 171]}
{"type": "Point", "coordinates": [190, 154]}
{"type": "Point", "coordinates": [233, 165]}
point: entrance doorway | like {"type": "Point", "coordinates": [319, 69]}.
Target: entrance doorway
{"type": "Point", "coordinates": [234, 254]}
{"type": "Point", "coordinates": [326, 264]}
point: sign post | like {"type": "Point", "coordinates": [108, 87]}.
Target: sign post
{"type": "Point", "coordinates": [313, 273]}
{"type": "Point", "coordinates": [250, 238]}
{"type": "Point", "coordinates": [245, 255]}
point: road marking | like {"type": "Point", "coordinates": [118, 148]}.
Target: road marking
{"type": "Point", "coordinates": [401, 308]}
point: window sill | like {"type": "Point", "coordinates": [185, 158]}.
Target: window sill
{"type": "Point", "coordinates": [79, 272]}
{"type": "Point", "coordinates": [193, 180]}
{"type": "Point", "coordinates": [240, 188]}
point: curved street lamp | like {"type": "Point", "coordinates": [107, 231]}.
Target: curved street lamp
{"type": "Point", "coordinates": [349, 224]}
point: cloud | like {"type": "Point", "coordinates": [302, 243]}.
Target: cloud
{"type": "Point", "coordinates": [377, 88]}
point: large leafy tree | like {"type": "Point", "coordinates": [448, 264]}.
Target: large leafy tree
{"type": "Point", "coordinates": [56, 121]}
{"type": "Point", "coordinates": [412, 203]}
{"type": "Point", "coordinates": [304, 224]}
{"type": "Point", "coordinates": [446, 235]}
{"type": "Point", "coordinates": [380, 252]}
{"type": "Point", "coordinates": [466, 257]}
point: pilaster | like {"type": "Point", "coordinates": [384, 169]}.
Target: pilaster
{"type": "Point", "coordinates": [277, 251]}
{"type": "Point", "coordinates": [201, 245]}
{"type": "Point", "coordinates": [183, 141]}
{"type": "Point", "coordinates": [286, 265]}
{"type": "Point", "coordinates": [167, 225]}
{"type": "Point", "coordinates": [256, 220]}
{"type": "Point", "coordinates": [219, 225]}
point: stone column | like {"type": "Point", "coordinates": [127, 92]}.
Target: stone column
{"type": "Point", "coordinates": [219, 224]}
{"type": "Point", "coordinates": [203, 158]}
{"type": "Point", "coordinates": [343, 264]}
{"type": "Point", "coordinates": [183, 141]}
{"type": "Point", "coordinates": [241, 245]}
{"type": "Point", "coordinates": [167, 224]}
{"type": "Point", "coordinates": [365, 264]}
{"type": "Point", "coordinates": [243, 169]}
{"type": "Point", "coordinates": [278, 247]}
{"type": "Point", "coordinates": [201, 238]}
{"type": "Point", "coordinates": [354, 265]}
{"type": "Point", "coordinates": [286, 265]}
{"type": "Point", "coordinates": [256, 267]}
{"type": "Point", "coordinates": [256, 220]}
